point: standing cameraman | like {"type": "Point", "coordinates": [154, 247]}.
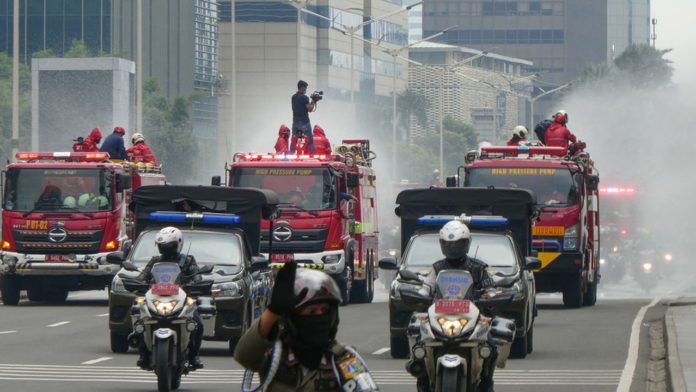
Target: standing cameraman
{"type": "Point", "coordinates": [301, 107]}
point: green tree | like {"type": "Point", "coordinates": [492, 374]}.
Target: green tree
{"type": "Point", "coordinates": [412, 103]}
{"type": "Point", "coordinates": [169, 134]}
{"type": "Point", "coordinates": [78, 49]}
{"type": "Point", "coordinates": [6, 106]}
{"type": "Point", "coordinates": [645, 66]}
{"type": "Point", "coordinates": [46, 53]}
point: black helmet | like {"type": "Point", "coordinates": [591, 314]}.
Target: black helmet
{"type": "Point", "coordinates": [320, 287]}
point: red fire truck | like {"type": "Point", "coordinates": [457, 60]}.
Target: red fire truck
{"type": "Point", "coordinates": [328, 212]}
{"type": "Point", "coordinates": [62, 212]}
{"type": "Point", "coordinates": [566, 232]}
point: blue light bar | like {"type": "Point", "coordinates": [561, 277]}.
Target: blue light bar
{"type": "Point", "coordinates": [474, 222]}
{"type": "Point", "coordinates": [183, 217]}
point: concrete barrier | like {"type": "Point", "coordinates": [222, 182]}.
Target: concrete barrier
{"type": "Point", "coordinates": [675, 373]}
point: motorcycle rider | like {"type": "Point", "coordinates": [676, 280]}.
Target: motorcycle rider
{"type": "Point", "coordinates": [303, 315]}
{"type": "Point", "coordinates": [519, 136]}
{"type": "Point", "coordinates": [455, 241]}
{"type": "Point", "coordinates": [558, 135]}
{"type": "Point", "coordinates": [169, 242]}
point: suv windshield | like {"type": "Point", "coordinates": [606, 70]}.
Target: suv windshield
{"type": "Point", "coordinates": [217, 248]}
{"type": "Point", "coordinates": [551, 186]}
{"type": "Point", "coordinates": [495, 250]}
{"type": "Point", "coordinates": [307, 188]}
{"type": "Point", "coordinates": [48, 190]}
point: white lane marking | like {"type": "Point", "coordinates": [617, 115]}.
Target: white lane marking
{"type": "Point", "coordinates": [381, 351]}
{"type": "Point", "coordinates": [102, 315]}
{"type": "Point", "coordinates": [58, 324]}
{"type": "Point", "coordinates": [632, 358]}
{"type": "Point", "coordinates": [93, 361]}
{"type": "Point", "coordinates": [6, 332]}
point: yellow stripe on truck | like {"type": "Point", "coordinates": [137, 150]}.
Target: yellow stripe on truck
{"type": "Point", "coordinates": [548, 231]}
{"type": "Point", "coordinates": [299, 265]}
{"type": "Point", "coordinates": [547, 258]}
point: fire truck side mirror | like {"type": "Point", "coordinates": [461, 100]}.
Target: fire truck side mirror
{"type": "Point", "coordinates": [451, 182]}
{"type": "Point", "coordinates": [123, 182]}
{"type": "Point", "coordinates": [592, 182]}
{"type": "Point", "coordinates": [352, 180]}
{"type": "Point", "coordinates": [216, 181]}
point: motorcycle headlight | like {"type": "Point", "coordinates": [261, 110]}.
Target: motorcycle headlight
{"type": "Point", "coordinates": [647, 267]}
{"type": "Point", "coordinates": [227, 289]}
{"type": "Point", "coordinates": [570, 238]}
{"type": "Point", "coordinates": [451, 327]}
{"type": "Point", "coordinates": [615, 249]}
{"type": "Point", "coordinates": [668, 257]}
{"type": "Point", "coordinates": [165, 307]}
{"type": "Point", "coordinates": [117, 285]}
{"type": "Point", "coordinates": [331, 259]}
{"type": "Point", "coordinates": [392, 252]}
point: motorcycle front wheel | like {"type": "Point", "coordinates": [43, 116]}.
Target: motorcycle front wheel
{"type": "Point", "coordinates": [449, 380]}
{"type": "Point", "coordinates": [162, 367]}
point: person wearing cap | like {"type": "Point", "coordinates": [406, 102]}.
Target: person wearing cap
{"type": "Point", "coordinates": [141, 152]}
{"type": "Point", "coordinates": [88, 144]}
{"type": "Point", "coordinates": [298, 333]}
{"type": "Point", "coordinates": [114, 144]}
{"type": "Point", "coordinates": [301, 107]}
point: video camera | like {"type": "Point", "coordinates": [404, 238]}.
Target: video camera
{"type": "Point", "coordinates": [317, 96]}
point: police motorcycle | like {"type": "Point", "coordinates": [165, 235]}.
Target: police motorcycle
{"type": "Point", "coordinates": [163, 319]}
{"type": "Point", "coordinates": [451, 342]}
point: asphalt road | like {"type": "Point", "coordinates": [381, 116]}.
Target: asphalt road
{"type": "Point", "coordinates": [65, 348]}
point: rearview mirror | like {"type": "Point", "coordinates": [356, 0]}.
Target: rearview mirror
{"type": "Point", "coordinates": [409, 275]}
{"type": "Point", "coordinates": [451, 182]}
{"type": "Point", "coordinates": [388, 263]}
{"type": "Point", "coordinates": [532, 263]}
{"type": "Point", "coordinates": [128, 266]}
{"type": "Point", "coordinates": [216, 181]}
{"type": "Point", "coordinates": [259, 263]}
{"type": "Point", "coordinates": [115, 258]}
{"type": "Point", "coordinates": [123, 182]}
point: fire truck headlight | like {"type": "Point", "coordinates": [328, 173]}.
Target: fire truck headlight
{"type": "Point", "coordinates": [647, 267]}
{"type": "Point", "coordinates": [615, 249]}
{"type": "Point", "coordinates": [602, 261]}
{"type": "Point", "coordinates": [668, 257]}
{"type": "Point", "coordinates": [331, 259]}
{"type": "Point", "coordinates": [570, 238]}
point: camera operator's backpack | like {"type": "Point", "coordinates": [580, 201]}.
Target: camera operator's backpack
{"type": "Point", "coordinates": [540, 130]}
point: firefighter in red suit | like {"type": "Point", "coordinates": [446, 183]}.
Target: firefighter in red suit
{"type": "Point", "coordinates": [558, 135]}
{"type": "Point", "coordinates": [282, 146]}
{"type": "Point", "coordinates": [141, 152]}
{"type": "Point", "coordinates": [88, 144]}
{"type": "Point", "coordinates": [519, 136]}
{"type": "Point", "coordinates": [321, 142]}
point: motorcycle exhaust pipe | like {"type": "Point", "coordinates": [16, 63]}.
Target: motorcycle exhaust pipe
{"type": "Point", "coordinates": [134, 340]}
{"type": "Point", "coordinates": [416, 367]}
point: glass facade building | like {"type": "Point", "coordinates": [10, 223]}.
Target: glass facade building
{"type": "Point", "coordinates": [55, 24]}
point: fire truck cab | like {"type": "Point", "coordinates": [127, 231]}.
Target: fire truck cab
{"type": "Point", "coordinates": [566, 230]}
{"type": "Point", "coordinates": [328, 212]}
{"type": "Point", "coordinates": [62, 213]}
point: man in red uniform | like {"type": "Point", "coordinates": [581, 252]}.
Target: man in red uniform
{"type": "Point", "coordinates": [141, 152]}
{"type": "Point", "coordinates": [282, 146]}
{"type": "Point", "coordinates": [321, 142]}
{"type": "Point", "coordinates": [558, 135]}
{"type": "Point", "coordinates": [88, 144]}
{"type": "Point", "coordinates": [519, 136]}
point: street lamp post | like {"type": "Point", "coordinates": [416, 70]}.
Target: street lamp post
{"type": "Point", "coordinates": [15, 78]}
{"type": "Point", "coordinates": [534, 99]}
{"type": "Point", "coordinates": [139, 68]}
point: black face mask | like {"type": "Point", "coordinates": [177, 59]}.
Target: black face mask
{"type": "Point", "coordinates": [313, 336]}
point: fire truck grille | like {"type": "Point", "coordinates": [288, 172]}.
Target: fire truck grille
{"type": "Point", "coordinates": [300, 241]}
{"type": "Point", "coordinates": [76, 241]}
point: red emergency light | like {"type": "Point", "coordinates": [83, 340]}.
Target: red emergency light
{"type": "Point", "coordinates": [623, 190]}
{"type": "Point", "coordinates": [525, 150]}
{"type": "Point", "coordinates": [63, 156]}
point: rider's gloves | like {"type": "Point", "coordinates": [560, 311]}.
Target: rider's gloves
{"type": "Point", "coordinates": [283, 299]}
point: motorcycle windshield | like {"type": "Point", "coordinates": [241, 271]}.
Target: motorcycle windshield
{"type": "Point", "coordinates": [454, 284]}
{"type": "Point", "coordinates": [165, 273]}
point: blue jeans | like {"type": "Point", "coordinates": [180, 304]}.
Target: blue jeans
{"type": "Point", "coordinates": [307, 132]}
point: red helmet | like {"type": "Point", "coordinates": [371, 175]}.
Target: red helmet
{"type": "Point", "coordinates": [561, 117]}
{"type": "Point", "coordinates": [119, 130]}
{"type": "Point", "coordinates": [284, 130]}
{"type": "Point", "coordinates": [319, 130]}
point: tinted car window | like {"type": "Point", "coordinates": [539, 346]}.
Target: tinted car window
{"type": "Point", "coordinates": [220, 249]}
{"type": "Point", "coordinates": [495, 250]}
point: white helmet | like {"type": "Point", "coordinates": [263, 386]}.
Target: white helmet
{"type": "Point", "coordinates": [455, 240]}
{"type": "Point", "coordinates": [521, 131]}
{"type": "Point", "coordinates": [169, 241]}
{"type": "Point", "coordinates": [137, 137]}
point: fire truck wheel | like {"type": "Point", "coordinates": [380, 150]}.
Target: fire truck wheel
{"type": "Point", "coordinates": [572, 292]}
{"type": "Point", "coordinates": [35, 294]}
{"type": "Point", "coordinates": [590, 297]}
{"type": "Point", "coordinates": [10, 290]}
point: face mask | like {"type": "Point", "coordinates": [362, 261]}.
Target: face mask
{"type": "Point", "coordinates": [314, 334]}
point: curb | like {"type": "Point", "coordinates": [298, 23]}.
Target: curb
{"type": "Point", "coordinates": [675, 373]}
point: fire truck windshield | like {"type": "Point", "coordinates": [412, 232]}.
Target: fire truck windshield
{"type": "Point", "coordinates": [47, 190]}
{"type": "Point", "coordinates": [552, 186]}
{"type": "Point", "coordinates": [311, 189]}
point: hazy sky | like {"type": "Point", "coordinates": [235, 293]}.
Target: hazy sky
{"type": "Point", "coordinates": [676, 29]}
